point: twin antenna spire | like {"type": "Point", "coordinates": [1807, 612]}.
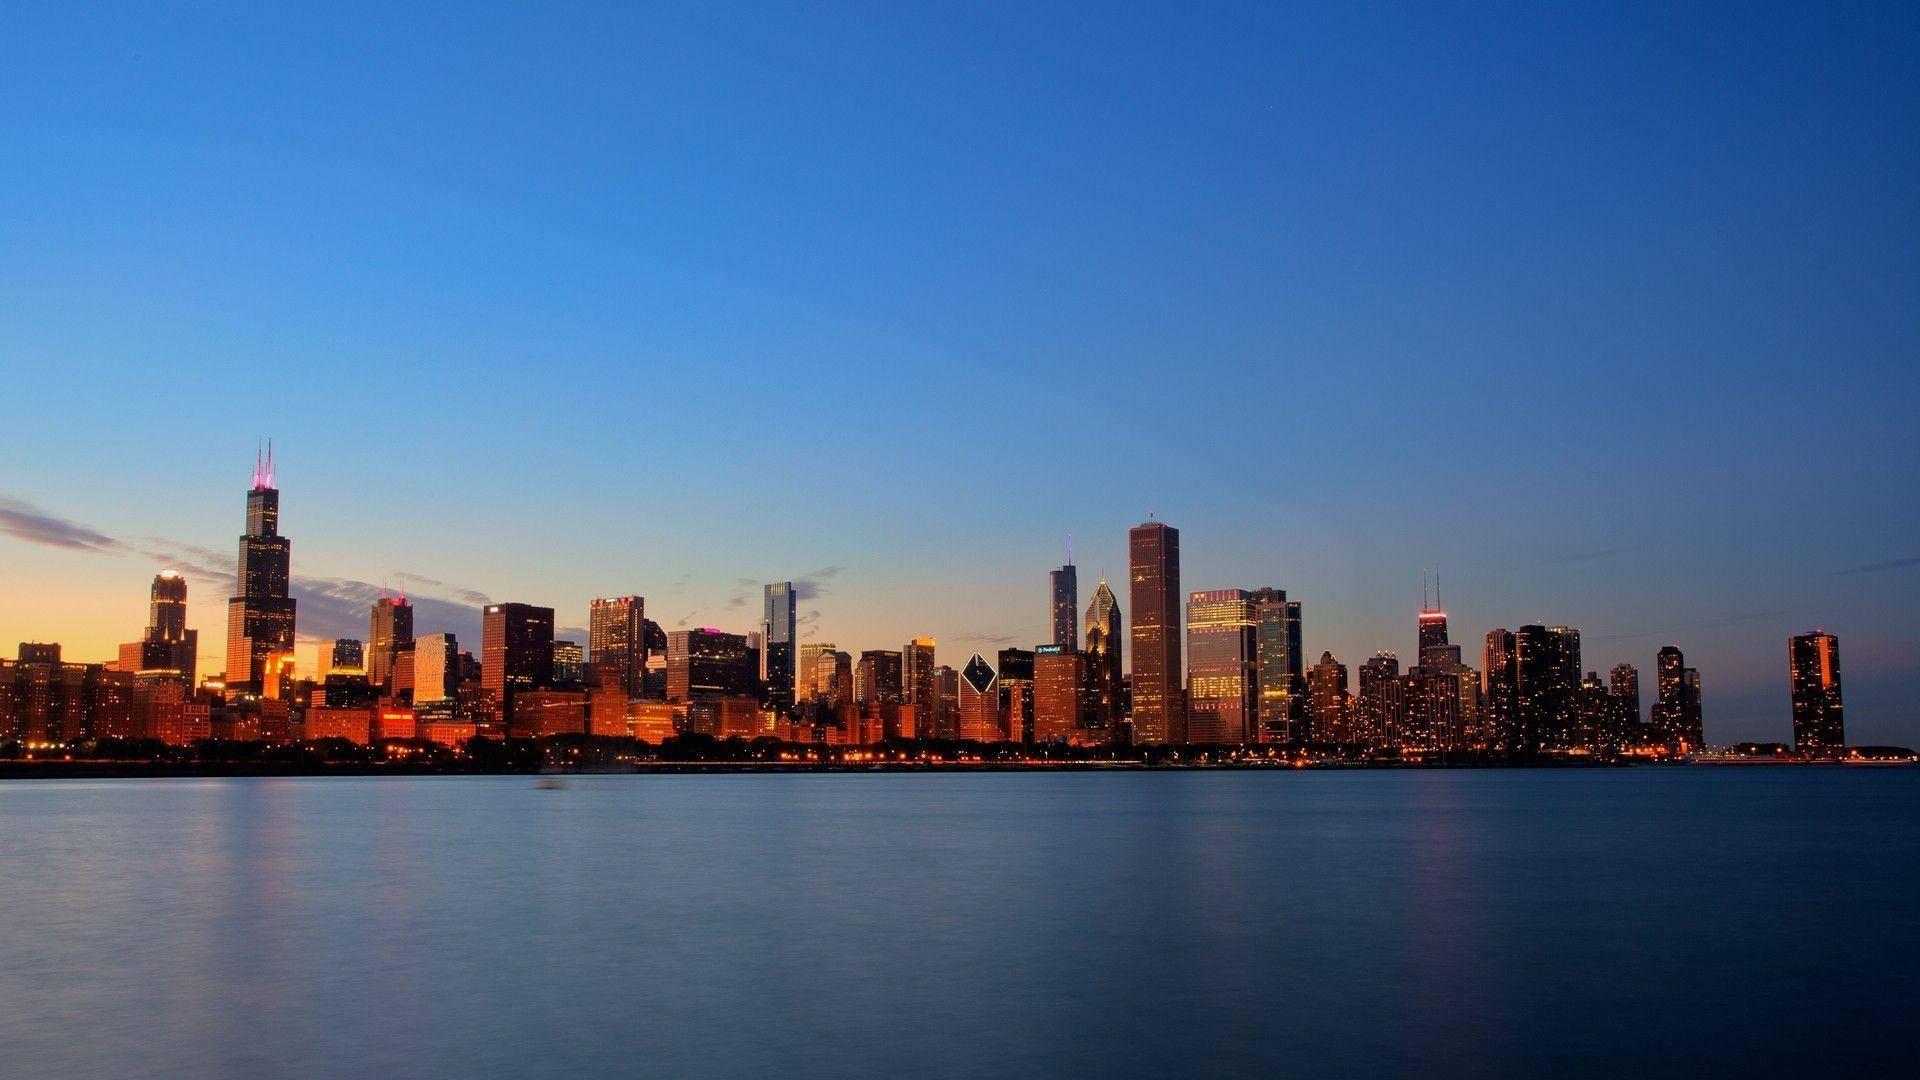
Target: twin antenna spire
{"type": "Point", "coordinates": [263, 466]}
{"type": "Point", "coordinates": [1435, 605]}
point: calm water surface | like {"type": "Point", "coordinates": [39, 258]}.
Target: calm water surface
{"type": "Point", "coordinates": [1620, 923]}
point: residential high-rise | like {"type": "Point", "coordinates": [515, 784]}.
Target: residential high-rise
{"type": "Point", "coordinates": [1691, 722]}
{"type": "Point", "coordinates": [1377, 707]}
{"type": "Point", "coordinates": [1547, 659]}
{"type": "Point", "coordinates": [1222, 685]}
{"type": "Point", "coordinates": [260, 618]}
{"type": "Point", "coordinates": [918, 682]}
{"type": "Point", "coordinates": [1500, 673]}
{"type": "Point", "coordinates": [779, 628]}
{"type": "Point", "coordinates": [979, 702]}
{"type": "Point", "coordinates": [1279, 675]}
{"type": "Point", "coordinates": [1159, 711]}
{"type": "Point", "coordinates": [389, 634]}
{"type": "Point", "coordinates": [617, 642]}
{"type": "Point", "coordinates": [1670, 707]}
{"type": "Point", "coordinates": [168, 649]}
{"type": "Point", "coordinates": [1063, 595]}
{"type": "Point", "coordinates": [1813, 669]}
{"type": "Point", "coordinates": [436, 668]}
{"type": "Point", "coordinates": [516, 652]}
{"type": "Point", "coordinates": [1623, 685]}
{"type": "Point", "coordinates": [1327, 683]}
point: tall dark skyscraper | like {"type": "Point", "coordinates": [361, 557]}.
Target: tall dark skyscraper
{"type": "Point", "coordinates": [1222, 691]}
{"type": "Point", "coordinates": [389, 634]}
{"type": "Point", "coordinates": [779, 630]}
{"type": "Point", "coordinates": [260, 618]}
{"type": "Point", "coordinates": [877, 678]}
{"type": "Point", "coordinates": [1159, 706]}
{"type": "Point", "coordinates": [1623, 685]}
{"type": "Point", "coordinates": [1547, 660]}
{"type": "Point", "coordinates": [1279, 675]}
{"type": "Point", "coordinates": [617, 642]}
{"type": "Point", "coordinates": [516, 651]}
{"type": "Point", "coordinates": [1434, 647]}
{"type": "Point", "coordinates": [1813, 666]}
{"type": "Point", "coordinates": [168, 648]}
{"type": "Point", "coordinates": [1063, 594]}
{"type": "Point", "coordinates": [709, 663]}
{"type": "Point", "coordinates": [1676, 702]}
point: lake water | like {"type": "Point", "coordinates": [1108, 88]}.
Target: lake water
{"type": "Point", "coordinates": [1636, 922]}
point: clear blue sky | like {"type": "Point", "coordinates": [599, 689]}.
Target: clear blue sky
{"type": "Point", "coordinates": [1612, 314]}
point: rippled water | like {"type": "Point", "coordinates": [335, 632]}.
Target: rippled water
{"type": "Point", "coordinates": [1584, 923]}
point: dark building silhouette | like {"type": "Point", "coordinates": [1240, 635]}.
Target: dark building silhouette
{"type": "Point", "coordinates": [779, 635]}
{"type": "Point", "coordinates": [1813, 667]}
{"type": "Point", "coordinates": [516, 653]}
{"type": "Point", "coordinates": [1379, 706]}
{"type": "Point", "coordinates": [919, 681]}
{"type": "Point", "coordinates": [1016, 693]}
{"type": "Point", "coordinates": [260, 618]}
{"type": "Point", "coordinates": [1547, 660]}
{"type": "Point", "coordinates": [710, 663]}
{"type": "Point", "coordinates": [1676, 704]}
{"type": "Point", "coordinates": [1063, 605]}
{"type": "Point", "coordinates": [1623, 685]}
{"type": "Point", "coordinates": [1158, 681]}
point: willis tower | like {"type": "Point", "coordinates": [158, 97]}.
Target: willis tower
{"type": "Point", "coordinates": [260, 619]}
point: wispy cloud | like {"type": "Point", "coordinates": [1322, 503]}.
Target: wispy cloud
{"type": "Point", "coordinates": [687, 618]}
{"type": "Point", "coordinates": [24, 521]}
{"type": "Point", "coordinates": [812, 585]}
{"type": "Point", "coordinates": [1878, 567]}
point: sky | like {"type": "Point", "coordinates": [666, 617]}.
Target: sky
{"type": "Point", "coordinates": [1610, 315]}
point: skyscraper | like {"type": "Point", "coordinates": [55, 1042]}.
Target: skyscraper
{"type": "Point", "coordinates": [1500, 672]}
{"type": "Point", "coordinates": [1813, 668]}
{"type": "Point", "coordinates": [709, 663]}
{"type": "Point", "coordinates": [260, 618]}
{"type": "Point", "coordinates": [1623, 685]}
{"type": "Point", "coordinates": [1547, 660]}
{"type": "Point", "coordinates": [1331, 707]}
{"type": "Point", "coordinates": [979, 703]}
{"type": "Point", "coordinates": [918, 682]}
{"type": "Point", "coordinates": [436, 668]}
{"type": "Point", "coordinates": [1670, 722]}
{"type": "Point", "coordinates": [1106, 672]}
{"type": "Point", "coordinates": [1159, 712]}
{"type": "Point", "coordinates": [389, 633]}
{"type": "Point", "coordinates": [1279, 676]}
{"type": "Point", "coordinates": [516, 652]}
{"type": "Point", "coordinates": [1059, 676]}
{"type": "Point", "coordinates": [569, 663]}
{"type": "Point", "coordinates": [877, 678]}
{"type": "Point", "coordinates": [345, 656]}
{"type": "Point", "coordinates": [1063, 593]}
{"type": "Point", "coordinates": [1376, 708]}
{"type": "Point", "coordinates": [617, 642]}
{"type": "Point", "coordinates": [779, 628]}
{"type": "Point", "coordinates": [1222, 689]}
{"type": "Point", "coordinates": [168, 648]}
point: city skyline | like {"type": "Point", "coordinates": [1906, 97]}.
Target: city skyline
{"type": "Point", "coordinates": [1604, 312]}
{"type": "Point", "coordinates": [1224, 692]}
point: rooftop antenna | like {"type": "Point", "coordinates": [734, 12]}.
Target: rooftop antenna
{"type": "Point", "coordinates": [1436, 590]}
{"type": "Point", "coordinates": [1423, 591]}
{"type": "Point", "coordinates": [1069, 549]}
